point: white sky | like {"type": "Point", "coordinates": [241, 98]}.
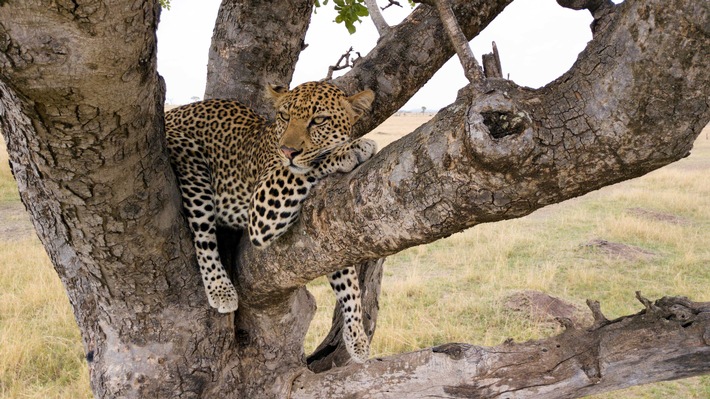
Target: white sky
{"type": "Point", "coordinates": [537, 39]}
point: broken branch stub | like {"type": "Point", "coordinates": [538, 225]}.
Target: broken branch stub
{"type": "Point", "coordinates": [491, 64]}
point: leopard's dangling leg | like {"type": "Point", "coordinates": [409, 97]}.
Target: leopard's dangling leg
{"type": "Point", "coordinates": [199, 206]}
{"type": "Point", "coordinates": [347, 291]}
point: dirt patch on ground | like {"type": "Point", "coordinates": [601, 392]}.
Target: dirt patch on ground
{"type": "Point", "coordinates": [14, 222]}
{"type": "Point", "coordinates": [657, 216]}
{"type": "Point", "coordinates": [543, 308]}
{"type": "Point", "coordinates": [619, 250]}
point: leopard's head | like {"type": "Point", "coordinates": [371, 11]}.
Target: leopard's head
{"type": "Point", "coordinates": [313, 119]}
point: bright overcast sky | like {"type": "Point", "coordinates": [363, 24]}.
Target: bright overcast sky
{"type": "Point", "coordinates": [537, 39]}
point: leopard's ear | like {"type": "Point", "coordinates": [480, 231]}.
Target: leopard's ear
{"type": "Point", "coordinates": [361, 102]}
{"type": "Point", "coordinates": [274, 92]}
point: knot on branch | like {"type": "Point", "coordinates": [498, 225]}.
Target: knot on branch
{"type": "Point", "coordinates": [501, 116]}
{"type": "Point", "coordinates": [505, 123]}
{"type": "Point", "coordinates": [455, 351]}
{"type": "Point", "coordinates": [499, 129]}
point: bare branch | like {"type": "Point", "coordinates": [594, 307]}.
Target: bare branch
{"type": "Point", "coordinates": [630, 350]}
{"type": "Point", "coordinates": [391, 3]}
{"type": "Point", "coordinates": [343, 62]}
{"type": "Point", "coordinates": [377, 18]}
{"type": "Point", "coordinates": [470, 66]}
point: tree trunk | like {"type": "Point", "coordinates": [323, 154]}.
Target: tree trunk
{"type": "Point", "coordinates": [83, 121]}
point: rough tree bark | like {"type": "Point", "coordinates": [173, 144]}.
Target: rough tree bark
{"type": "Point", "coordinates": [255, 44]}
{"type": "Point", "coordinates": [83, 121]}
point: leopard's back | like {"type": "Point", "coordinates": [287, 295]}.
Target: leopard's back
{"type": "Point", "coordinates": [224, 141]}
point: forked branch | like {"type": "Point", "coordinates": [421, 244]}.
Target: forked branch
{"type": "Point", "coordinates": [343, 62]}
{"type": "Point", "coordinates": [497, 154]}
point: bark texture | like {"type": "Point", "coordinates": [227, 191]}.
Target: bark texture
{"type": "Point", "coordinates": [82, 117]}
{"type": "Point", "coordinates": [255, 43]}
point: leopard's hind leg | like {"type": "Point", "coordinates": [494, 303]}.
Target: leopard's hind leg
{"type": "Point", "coordinates": [347, 292]}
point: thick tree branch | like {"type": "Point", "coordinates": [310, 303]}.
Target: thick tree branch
{"type": "Point", "coordinates": [510, 151]}
{"type": "Point", "coordinates": [672, 341]}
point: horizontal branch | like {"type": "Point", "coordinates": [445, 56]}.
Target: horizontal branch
{"type": "Point", "coordinates": [668, 340]}
{"type": "Point", "coordinates": [501, 152]}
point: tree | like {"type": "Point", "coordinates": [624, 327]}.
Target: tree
{"type": "Point", "coordinates": [83, 121]}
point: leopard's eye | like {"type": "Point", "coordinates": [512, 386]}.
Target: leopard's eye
{"type": "Point", "coordinates": [319, 120]}
{"type": "Point", "coordinates": [283, 116]}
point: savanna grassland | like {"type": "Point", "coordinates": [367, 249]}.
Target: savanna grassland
{"type": "Point", "coordinates": [453, 290]}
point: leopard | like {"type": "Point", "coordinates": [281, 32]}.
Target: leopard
{"type": "Point", "coordinates": [238, 169]}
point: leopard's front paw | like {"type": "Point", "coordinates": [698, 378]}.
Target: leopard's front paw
{"type": "Point", "coordinates": [356, 342]}
{"type": "Point", "coordinates": [364, 149]}
{"type": "Point", "coordinates": [353, 155]}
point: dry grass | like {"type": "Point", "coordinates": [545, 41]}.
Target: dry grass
{"type": "Point", "coordinates": [41, 355]}
{"type": "Point", "coordinates": [451, 290]}
{"type": "Point", "coordinates": [8, 188]}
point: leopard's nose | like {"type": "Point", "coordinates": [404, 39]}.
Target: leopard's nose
{"type": "Point", "coordinates": [290, 152]}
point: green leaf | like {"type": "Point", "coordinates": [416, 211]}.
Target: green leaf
{"type": "Point", "coordinates": [361, 11]}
